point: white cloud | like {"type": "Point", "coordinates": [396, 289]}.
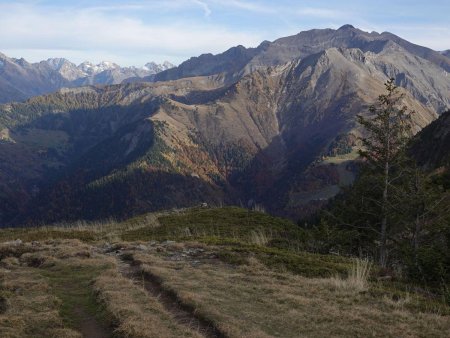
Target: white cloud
{"type": "Point", "coordinates": [205, 7]}
{"type": "Point", "coordinates": [435, 37]}
{"type": "Point", "coordinates": [248, 6]}
{"type": "Point", "coordinates": [136, 32]}
{"type": "Point", "coordinates": [25, 27]}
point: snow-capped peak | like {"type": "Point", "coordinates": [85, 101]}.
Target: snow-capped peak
{"type": "Point", "coordinates": [104, 65]}
{"type": "Point", "coordinates": [167, 65]}
{"type": "Point", "coordinates": [90, 69]}
{"type": "Point", "coordinates": [155, 68]}
{"type": "Point", "coordinates": [57, 63]}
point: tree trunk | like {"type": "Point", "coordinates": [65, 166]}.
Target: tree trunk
{"type": "Point", "coordinates": [383, 250]}
{"type": "Point", "coordinates": [418, 225]}
{"type": "Point", "coordinates": [417, 230]}
{"type": "Point", "coordinates": [416, 240]}
{"type": "Point", "coordinates": [383, 240]}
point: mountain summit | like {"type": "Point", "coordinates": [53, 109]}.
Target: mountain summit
{"type": "Point", "coordinates": [238, 61]}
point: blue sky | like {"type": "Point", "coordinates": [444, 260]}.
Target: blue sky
{"type": "Point", "coordinates": [135, 32]}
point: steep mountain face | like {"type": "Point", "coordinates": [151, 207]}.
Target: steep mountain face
{"type": "Point", "coordinates": [20, 80]}
{"type": "Point", "coordinates": [316, 40]}
{"type": "Point", "coordinates": [446, 53]}
{"type": "Point", "coordinates": [155, 68]}
{"type": "Point", "coordinates": [431, 147]}
{"type": "Point", "coordinates": [65, 68]}
{"type": "Point", "coordinates": [239, 60]}
{"type": "Point", "coordinates": [232, 62]}
{"type": "Point", "coordinates": [282, 135]}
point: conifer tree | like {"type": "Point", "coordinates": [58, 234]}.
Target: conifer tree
{"type": "Point", "coordinates": [388, 129]}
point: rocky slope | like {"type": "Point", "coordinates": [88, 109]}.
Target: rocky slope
{"type": "Point", "coordinates": [347, 36]}
{"type": "Point", "coordinates": [20, 79]}
{"type": "Point", "coordinates": [431, 147]}
{"type": "Point", "coordinates": [155, 68]}
{"type": "Point", "coordinates": [239, 60]}
{"type": "Point", "coordinates": [282, 135]}
{"type": "Point", "coordinates": [231, 62]}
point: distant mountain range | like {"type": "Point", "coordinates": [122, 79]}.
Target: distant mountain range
{"type": "Point", "coordinates": [20, 79]}
{"type": "Point", "coordinates": [275, 124]}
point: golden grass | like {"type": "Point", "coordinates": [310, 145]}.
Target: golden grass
{"type": "Point", "coordinates": [42, 285]}
{"type": "Point", "coordinates": [135, 312]}
{"type": "Point", "coordinates": [357, 279]}
{"type": "Point", "coordinates": [259, 237]}
{"type": "Point", "coordinates": [252, 301]}
{"type": "Point", "coordinates": [107, 230]}
{"type": "Point", "coordinates": [248, 300]}
{"type": "Point", "coordinates": [31, 311]}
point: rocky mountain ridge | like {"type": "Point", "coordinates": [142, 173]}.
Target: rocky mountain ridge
{"type": "Point", "coordinates": [20, 79]}
{"type": "Point", "coordinates": [238, 61]}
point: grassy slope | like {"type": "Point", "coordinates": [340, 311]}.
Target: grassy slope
{"type": "Point", "coordinates": [243, 271]}
{"type": "Point", "coordinates": [70, 282]}
{"type": "Point", "coordinates": [252, 301]}
{"type": "Point", "coordinates": [53, 279]}
{"type": "Point", "coordinates": [29, 309]}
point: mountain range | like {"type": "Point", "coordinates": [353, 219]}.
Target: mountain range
{"type": "Point", "coordinates": [243, 60]}
{"type": "Point", "coordinates": [274, 124]}
{"type": "Point", "coordinates": [20, 79]}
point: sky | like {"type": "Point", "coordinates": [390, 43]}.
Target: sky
{"type": "Point", "coordinates": [136, 32]}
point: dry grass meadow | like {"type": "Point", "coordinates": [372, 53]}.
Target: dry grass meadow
{"type": "Point", "coordinates": [197, 273]}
